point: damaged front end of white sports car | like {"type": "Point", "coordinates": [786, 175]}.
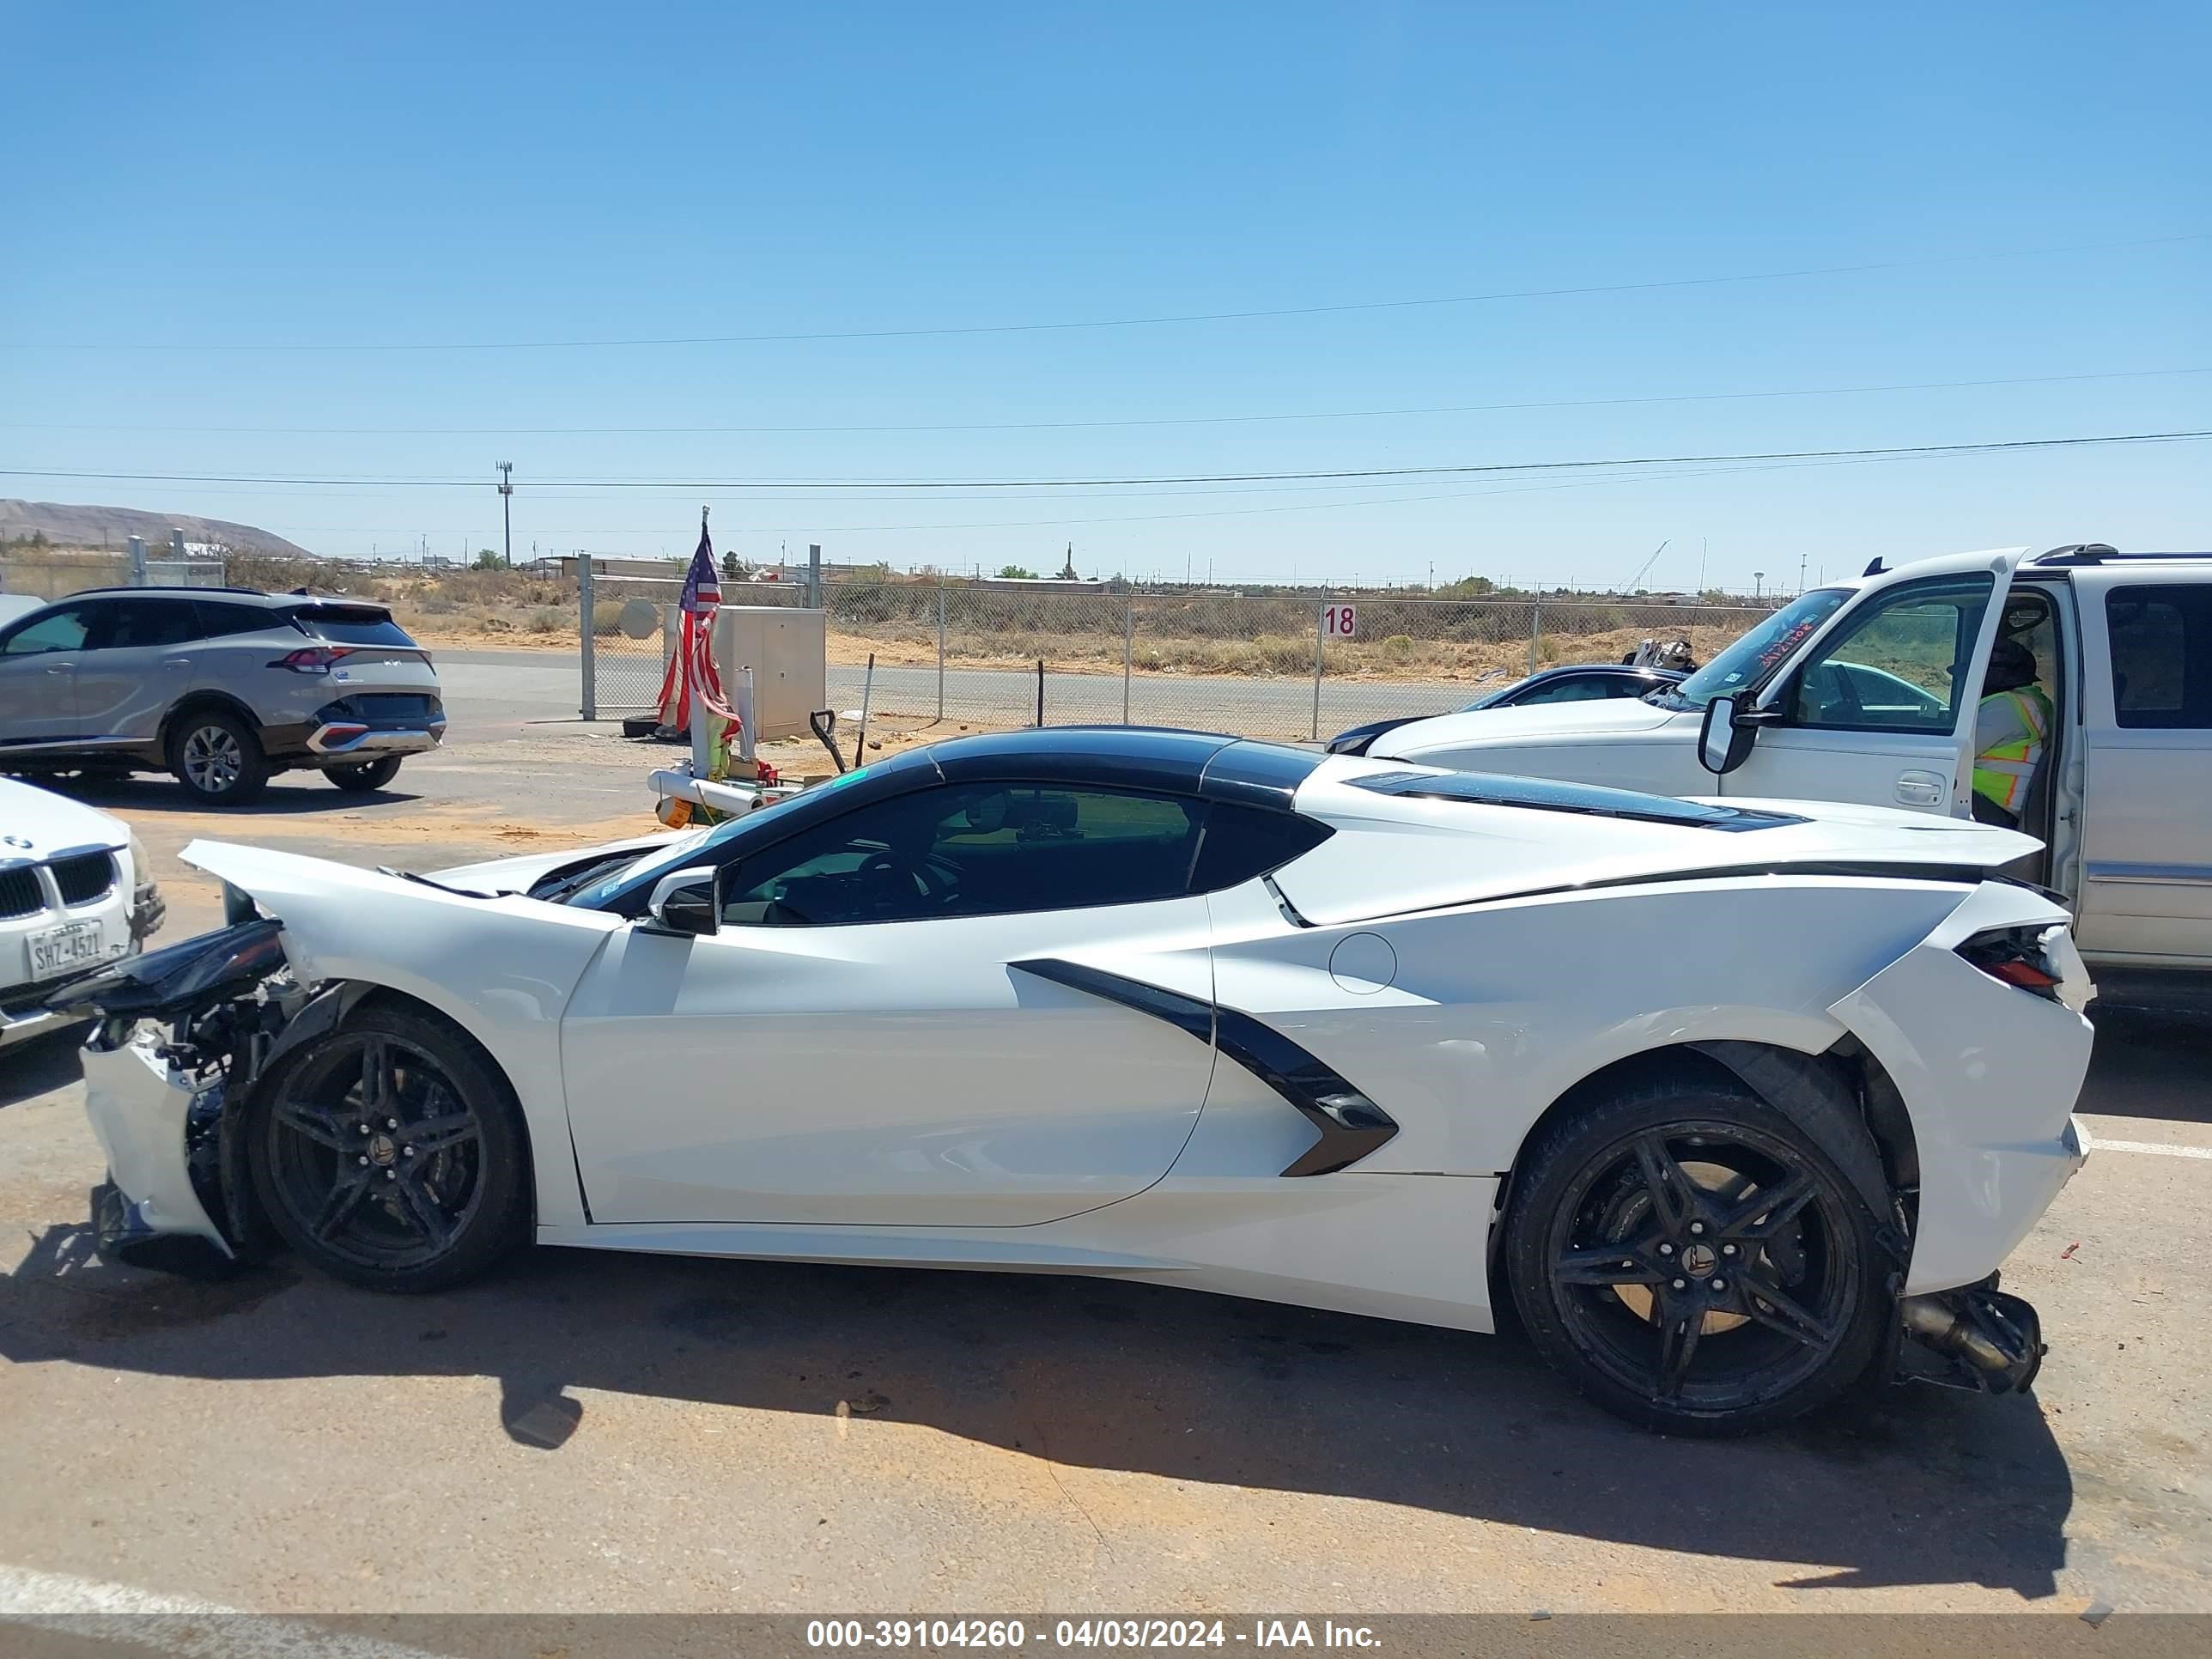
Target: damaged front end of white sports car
{"type": "Point", "coordinates": [180, 1035]}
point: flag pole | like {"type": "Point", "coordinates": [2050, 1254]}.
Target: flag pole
{"type": "Point", "coordinates": [703, 719]}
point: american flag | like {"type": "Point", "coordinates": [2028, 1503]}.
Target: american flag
{"type": "Point", "coordinates": [703, 588]}
{"type": "Point", "coordinates": [692, 669]}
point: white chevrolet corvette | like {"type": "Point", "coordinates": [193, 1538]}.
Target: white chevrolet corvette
{"type": "Point", "coordinates": [1729, 1099]}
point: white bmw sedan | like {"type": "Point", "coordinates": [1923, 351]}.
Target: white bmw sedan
{"type": "Point", "coordinates": [1727, 1098]}
{"type": "Point", "coordinates": [74, 891]}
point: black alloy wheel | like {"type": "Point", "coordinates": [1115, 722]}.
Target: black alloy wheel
{"type": "Point", "coordinates": [389, 1154]}
{"type": "Point", "coordinates": [1694, 1261]}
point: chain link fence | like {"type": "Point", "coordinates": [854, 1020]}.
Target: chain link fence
{"type": "Point", "coordinates": [58, 575]}
{"type": "Point", "coordinates": [968, 655]}
{"type": "Point", "coordinates": [625, 645]}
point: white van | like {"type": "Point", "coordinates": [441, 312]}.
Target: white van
{"type": "Point", "coordinates": [1867, 691]}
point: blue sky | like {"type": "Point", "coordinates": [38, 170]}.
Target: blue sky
{"type": "Point", "coordinates": [181, 181]}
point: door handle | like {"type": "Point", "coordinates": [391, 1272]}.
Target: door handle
{"type": "Point", "coordinates": [1920, 789]}
{"type": "Point", "coordinates": [176, 662]}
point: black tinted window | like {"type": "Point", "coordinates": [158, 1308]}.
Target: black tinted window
{"type": "Point", "coordinates": [350, 624]}
{"type": "Point", "coordinates": [125, 625]}
{"type": "Point", "coordinates": [978, 849]}
{"type": "Point", "coordinates": [1241, 842]}
{"type": "Point", "coordinates": [1577, 688]}
{"type": "Point", "coordinates": [220, 617]}
{"type": "Point", "coordinates": [2161, 655]}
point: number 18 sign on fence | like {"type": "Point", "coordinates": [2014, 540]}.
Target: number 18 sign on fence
{"type": "Point", "coordinates": [1338, 620]}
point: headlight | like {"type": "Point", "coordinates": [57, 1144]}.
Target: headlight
{"type": "Point", "coordinates": [148, 912]}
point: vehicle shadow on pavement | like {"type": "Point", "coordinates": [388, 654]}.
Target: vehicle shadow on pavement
{"type": "Point", "coordinates": [2148, 1063]}
{"type": "Point", "coordinates": [288, 795]}
{"type": "Point", "coordinates": [39, 1064]}
{"type": "Point", "coordinates": [1918, 1487]}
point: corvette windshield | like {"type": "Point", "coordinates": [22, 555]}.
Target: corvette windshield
{"type": "Point", "coordinates": [1749, 661]}
{"type": "Point", "coordinates": [657, 862]}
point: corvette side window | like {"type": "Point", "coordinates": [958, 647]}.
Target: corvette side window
{"type": "Point", "coordinates": [971, 850]}
{"type": "Point", "coordinates": [1244, 842]}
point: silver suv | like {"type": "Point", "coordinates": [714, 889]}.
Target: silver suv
{"type": "Point", "coordinates": [224, 687]}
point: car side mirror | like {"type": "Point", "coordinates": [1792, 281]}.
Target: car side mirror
{"type": "Point", "coordinates": [1724, 740]}
{"type": "Point", "coordinates": [683, 903]}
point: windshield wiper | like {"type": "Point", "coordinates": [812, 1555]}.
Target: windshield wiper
{"type": "Point", "coordinates": [408, 875]}
{"type": "Point", "coordinates": [560, 890]}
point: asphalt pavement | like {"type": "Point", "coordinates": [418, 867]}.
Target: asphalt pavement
{"type": "Point", "coordinates": [593, 1432]}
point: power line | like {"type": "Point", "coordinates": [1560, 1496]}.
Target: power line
{"type": "Point", "coordinates": [1244, 512]}
{"type": "Point", "coordinates": [1072, 426]}
{"type": "Point", "coordinates": [752, 484]}
{"type": "Point", "coordinates": [943, 330]}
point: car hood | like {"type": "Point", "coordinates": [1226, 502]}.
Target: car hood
{"type": "Point", "coordinates": [1401, 853]}
{"type": "Point", "coordinates": [37, 824]}
{"type": "Point", "coordinates": [1530, 723]}
{"type": "Point", "coordinates": [517, 875]}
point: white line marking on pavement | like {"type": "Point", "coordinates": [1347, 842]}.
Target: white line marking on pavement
{"type": "Point", "coordinates": [2155, 1148]}
{"type": "Point", "coordinates": [180, 1626]}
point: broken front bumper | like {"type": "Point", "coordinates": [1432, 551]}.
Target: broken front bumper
{"type": "Point", "coordinates": [146, 1112]}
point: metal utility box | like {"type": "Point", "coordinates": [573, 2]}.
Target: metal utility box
{"type": "Point", "coordinates": [787, 650]}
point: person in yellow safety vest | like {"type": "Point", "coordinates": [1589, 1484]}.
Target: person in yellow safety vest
{"type": "Point", "coordinates": [2011, 731]}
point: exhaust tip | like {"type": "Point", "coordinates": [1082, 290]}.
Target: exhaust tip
{"type": "Point", "coordinates": [1989, 1341]}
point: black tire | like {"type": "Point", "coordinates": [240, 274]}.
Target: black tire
{"type": "Point", "coordinates": [360, 776]}
{"type": "Point", "coordinates": [440, 1125]}
{"type": "Point", "coordinates": [1653, 1308]}
{"type": "Point", "coordinates": [217, 757]}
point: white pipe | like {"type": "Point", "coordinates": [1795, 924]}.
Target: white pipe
{"type": "Point", "coordinates": [702, 728]}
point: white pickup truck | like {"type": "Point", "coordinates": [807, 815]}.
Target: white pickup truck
{"type": "Point", "coordinates": [1868, 691]}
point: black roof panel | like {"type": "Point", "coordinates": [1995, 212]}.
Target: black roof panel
{"type": "Point", "coordinates": [1259, 774]}
{"type": "Point", "coordinates": [1135, 756]}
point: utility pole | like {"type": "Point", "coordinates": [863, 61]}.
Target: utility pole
{"type": "Point", "coordinates": [506, 512]}
{"type": "Point", "coordinates": [1801, 572]}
